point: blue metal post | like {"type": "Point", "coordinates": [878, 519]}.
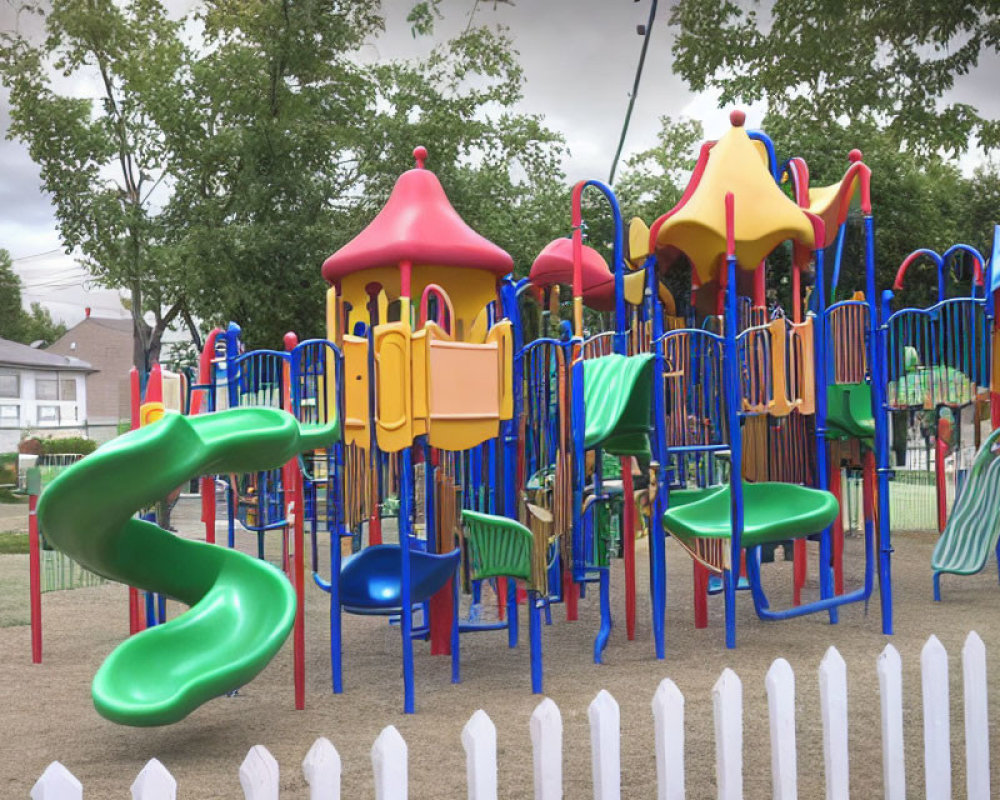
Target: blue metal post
{"type": "Point", "coordinates": [826, 586]}
{"type": "Point", "coordinates": [406, 604]}
{"type": "Point", "coordinates": [880, 381]}
{"type": "Point", "coordinates": [731, 376]}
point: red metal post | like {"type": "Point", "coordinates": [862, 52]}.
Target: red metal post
{"type": "Point", "coordinates": [838, 527]}
{"type": "Point", "coordinates": [940, 453]}
{"type": "Point", "coordinates": [135, 617]}
{"type": "Point", "coordinates": [700, 595]}
{"type": "Point", "coordinates": [35, 580]}
{"type": "Point", "coordinates": [628, 544]}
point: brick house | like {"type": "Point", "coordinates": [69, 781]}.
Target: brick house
{"type": "Point", "coordinates": [106, 344]}
{"type": "Point", "coordinates": [41, 392]}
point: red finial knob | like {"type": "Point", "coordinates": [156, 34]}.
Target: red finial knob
{"type": "Point", "coordinates": [737, 118]}
{"type": "Point", "coordinates": [854, 156]}
{"type": "Point", "coordinates": [291, 341]}
{"type": "Point", "coordinates": [420, 154]}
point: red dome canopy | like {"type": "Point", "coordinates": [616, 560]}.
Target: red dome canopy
{"type": "Point", "coordinates": [555, 265]}
{"type": "Point", "coordinates": [417, 224]}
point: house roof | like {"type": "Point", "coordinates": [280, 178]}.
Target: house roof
{"type": "Point", "coordinates": [20, 355]}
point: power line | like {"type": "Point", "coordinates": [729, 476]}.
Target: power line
{"type": "Point", "coordinates": [37, 255]}
{"type": "Point", "coordinates": [635, 89]}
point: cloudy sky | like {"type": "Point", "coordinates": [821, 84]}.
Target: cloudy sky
{"type": "Point", "coordinates": [579, 59]}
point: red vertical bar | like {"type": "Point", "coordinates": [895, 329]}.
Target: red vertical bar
{"type": "Point", "coordinates": [700, 595]}
{"type": "Point", "coordinates": [799, 569]}
{"type": "Point", "coordinates": [628, 544]}
{"type": "Point", "coordinates": [838, 528]}
{"type": "Point", "coordinates": [501, 598]}
{"type": "Point", "coordinates": [300, 599]}
{"type": "Point", "coordinates": [940, 452]}
{"type": "Point", "coordinates": [294, 567]}
{"type": "Point", "coordinates": [135, 401]}
{"type": "Point", "coordinates": [35, 580]}
{"type": "Point", "coordinates": [571, 594]}
{"type": "Point", "coordinates": [208, 507]}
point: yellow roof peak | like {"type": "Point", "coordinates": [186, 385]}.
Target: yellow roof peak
{"type": "Point", "coordinates": [763, 216]}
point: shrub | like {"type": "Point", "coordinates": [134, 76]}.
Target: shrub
{"type": "Point", "coordinates": [71, 444]}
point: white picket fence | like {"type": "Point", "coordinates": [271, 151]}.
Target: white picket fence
{"type": "Point", "coordinates": [259, 772]}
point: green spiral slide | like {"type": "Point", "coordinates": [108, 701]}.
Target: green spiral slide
{"type": "Point", "coordinates": [242, 609]}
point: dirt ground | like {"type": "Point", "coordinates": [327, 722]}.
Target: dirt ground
{"type": "Point", "coordinates": [47, 711]}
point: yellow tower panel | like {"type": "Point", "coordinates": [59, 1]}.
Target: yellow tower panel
{"type": "Point", "coordinates": [356, 412]}
{"type": "Point", "coordinates": [393, 386]}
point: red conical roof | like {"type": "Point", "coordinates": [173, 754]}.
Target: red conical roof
{"type": "Point", "coordinates": [417, 224]}
{"type": "Point", "coordinates": [555, 265]}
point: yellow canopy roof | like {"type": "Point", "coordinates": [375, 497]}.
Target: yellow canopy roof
{"type": "Point", "coordinates": [764, 217]}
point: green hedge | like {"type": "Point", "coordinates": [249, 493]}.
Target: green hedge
{"type": "Point", "coordinates": [72, 444]}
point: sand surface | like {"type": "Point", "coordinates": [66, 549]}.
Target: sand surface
{"type": "Point", "coordinates": [48, 715]}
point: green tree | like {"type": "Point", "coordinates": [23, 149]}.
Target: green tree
{"type": "Point", "coordinates": [17, 324]}
{"type": "Point", "coordinates": [101, 161]}
{"type": "Point", "coordinates": [917, 202]}
{"type": "Point", "coordinates": [654, 180]}
{"type": "Point", "coordinates": [244, 159]}
{"type": "Point", "coordinates": [817, 62]}
{"type": "Point", "coordinates": [10, 299]}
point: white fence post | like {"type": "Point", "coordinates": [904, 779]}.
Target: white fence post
{"type": "Point", "coordinates": [154, 782]}
{"type": "Point", "coordinates": [546, 744]}
{"type": "Point", "coordinates": [780, 684]}
{"type": "Point", "coordinates": [479, 738]}
{"type": "Point", "coordinates": [937, 719]}
{"type": "Point", "coordinates": [259, 774]}
{"type": "Point", "coordinates": [727, 704]}
{"type": "Point", "coordinates": [605, 746]}
{"type": "Point", "coordinates": [321, 768]}
{"type": "Point", "coordinates": [389, 756]}
{"type": "Point", "coordinates": [890, 684]}
{"type": "Point", "coordinates": [977, 725]}
{"type": "Point", "coordinates": [668, 719]}
{"type": "Point", "coordinates": [57, 783]}
{"type": "Point", "coordinates": [833, 700]}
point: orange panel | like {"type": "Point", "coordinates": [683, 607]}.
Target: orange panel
{"type": "Point", "coordinates": [464, 394]}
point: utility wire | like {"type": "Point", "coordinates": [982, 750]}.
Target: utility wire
{"type": "Point", "coordinates": [635, 90]}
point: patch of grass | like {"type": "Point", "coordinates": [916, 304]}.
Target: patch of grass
{"type": "Point", "coordinates": [13, 543]}
{"type": "Point", "coordinates": [7, 496]}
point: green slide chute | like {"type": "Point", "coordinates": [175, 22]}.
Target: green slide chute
{"type": "Point", "coordinates": [241, 610]}
{"type": "Point", "coordinates": [617, 392]}
{"type": "Point", "coordinates": [974, 525]}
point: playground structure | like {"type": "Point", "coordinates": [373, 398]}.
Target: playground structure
{"type": "Point", "coordinates": [509, 460]}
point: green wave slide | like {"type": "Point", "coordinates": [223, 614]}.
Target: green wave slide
{"type": "Point", "coordinates": [974, 525]}
{"type": "Point", "coordinates": [617, 394]}
{"type": "Point", "coordinates": [242, 609]}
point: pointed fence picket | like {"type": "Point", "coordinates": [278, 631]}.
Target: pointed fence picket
{"type": "Point", "coordinates": [259, 775]}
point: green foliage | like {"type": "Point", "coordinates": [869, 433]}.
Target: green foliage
{"type": "Point", "coordinates": [917, 202]}
{"type": "Point", "coordinates": [71, 444]}
{"type": "Point", "coordinates": [243, 159]}
{"type": "Point", "coordinates": [819, 62]}
{"type": "Point", "coordinates": [17, 324]}
{"type": "Point", "coordinates": [654, 179]}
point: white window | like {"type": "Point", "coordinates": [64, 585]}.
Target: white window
{"type": "Point", "coordinates": [10, 383]}
{"type": "Point", "coordinates": [10, 417]}
{"type": "Point", "coordinates": [48, 415]}
{"type": "Point", "coordinates": [67, 388]}
{"type": "Point", "coordinates": [46, 388]}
